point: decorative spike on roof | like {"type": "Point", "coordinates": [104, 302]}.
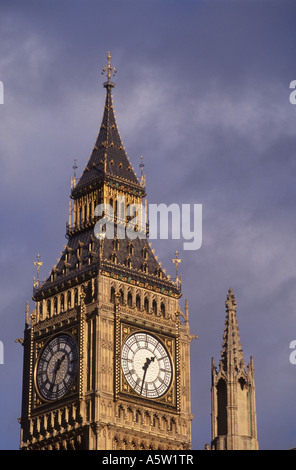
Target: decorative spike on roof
{"type": "Point", "coordinates": [108, 70]}
{"type": "Point", "coordinates": [108, 156]}
{"type": "Point", "coordinates": [232, 352]}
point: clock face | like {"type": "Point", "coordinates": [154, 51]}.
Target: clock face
{"type": "Point", "coordinates": [57, 367]}
{"type": "Point", "coordinates": [146, 365]}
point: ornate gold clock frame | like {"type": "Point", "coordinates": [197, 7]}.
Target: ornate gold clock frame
{"type": "Point", "coordinates": [164, 330]}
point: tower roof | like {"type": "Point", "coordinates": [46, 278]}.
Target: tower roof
{"type": "Point", "coordinates": [108, 157]}
{"type": "Point", "coordinates": [232, 352]}
{"type": "Point", "coordinates": [84, 254]}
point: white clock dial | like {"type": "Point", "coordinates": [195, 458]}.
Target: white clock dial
{"type": "Point", "coordinates": [57, 367]}
{"type": "Point", "coordinates": [146, 365]}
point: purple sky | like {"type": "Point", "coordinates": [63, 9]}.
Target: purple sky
{"type": "Point", "coordinates": [202, 92]}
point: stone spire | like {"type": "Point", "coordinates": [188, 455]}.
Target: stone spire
{"type": "Point", "coordinates": [232, 353]}
{"type": "Point", "coordinates": [234, 422]}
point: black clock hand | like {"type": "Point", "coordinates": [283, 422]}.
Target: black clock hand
{"type": "Point", "coordinates": [57, 368]}
{"type": "Point", "coordinates": [145, 370]}
{"type": "Point", "coordinates": [54, 375]}
{"type": "Point", "coordinates": [145, 367]}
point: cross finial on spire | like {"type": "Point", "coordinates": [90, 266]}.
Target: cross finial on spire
{"type": "Point", "coordinates": [108, 70]}
{"type": "Point", "coordinates": [37, 263]}
{"type": "Point", "coordinates": [75, 167]}
{"type": "Point", "coordinates": [141, 165]}
{"type": "Point", "coordinates": [143, 177]}
{"type": "Point", "coordinates": [73, 178]}
{"type": "Point", "coordinates": [177, 261]}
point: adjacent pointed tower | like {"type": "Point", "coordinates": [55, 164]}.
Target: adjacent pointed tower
{"type": "Point", "coordinates": [234, 425]}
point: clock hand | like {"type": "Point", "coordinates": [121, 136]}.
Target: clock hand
{"type": "Point", "coordinates": [57, 368]}
{"type": "Point", "coordinates": [145, 367]}
{"type": "Point", "coordinates": [145, 370]}
{"type": "Point", "coordinates": [61, 360]}
{"type": "Point", "coordinates": [54, 374]}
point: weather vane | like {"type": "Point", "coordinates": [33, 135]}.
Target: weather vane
{"type": "Point", "coordinates": [177, 261]}
{"type": "Point", "coordinates": [73, 178]}
{"type": "Point", "coordinates": [108, 69]}
{"type": "Point", "coordinates": [143, 179]}
{"type": "Point", "coordinates": [141, 165]}
{"type": "Point", "coordinates": [75, 167]}
{"type": "Point", "coordinates": [37, 263]}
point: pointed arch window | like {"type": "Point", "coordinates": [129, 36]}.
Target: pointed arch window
{"type": "Point", "coordinates": [146, 305]}
{"type": "Point", "coordinates": [131, 249]}
{"type": "Point", "coordinates": [111, 203]}
{"type": "Point", "coordinates": [222, 407]}
{"type": "Point", "coordinates": [116, 244]}
{"type": "Point", "coordinates": [69, 299]}
{"type": "Point", "coordinates": [55, 306]}
{"type": "Point", "coordinates": [41, 309]}
{"type": "Point", "coordinates": [62, 302]}
{"type": "Point", "coordinates": [90, 210]}
{"type": "Point", "coordinates": [49, 307]}
{"type": "Point", "coordinates": [138, 302]}
{"type": "Point", "coordinates": [130, 299]}
{"type": "Point", "coordinates": [172, 425]}
{"type": "Point", "coordinates": [76, 297]}
{"type": "Point", "coordinates": [112, 296]}
{"type": "Point", "coordinates": [145, 268]}
{"type": "Point", "coordinates": [138, 416]}
{"type": "Point", "coordinates": [145, 253]}
{"type": "Point", "coordinates": [159, 272]}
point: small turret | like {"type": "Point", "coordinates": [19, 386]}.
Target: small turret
{"type": "Point", "coordinates": [234, 425]}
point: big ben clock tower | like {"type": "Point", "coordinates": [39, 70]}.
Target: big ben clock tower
{"type": "Point", "coordinates": [106, 348]}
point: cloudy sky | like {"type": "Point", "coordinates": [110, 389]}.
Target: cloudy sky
{"type": "Point", "coordinates": [202, 92]}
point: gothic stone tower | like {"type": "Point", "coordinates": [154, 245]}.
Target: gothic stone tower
{"type": "Point", "coordinates": [234, 425]}
{"type": "Point", "coordinates": [106, 349]}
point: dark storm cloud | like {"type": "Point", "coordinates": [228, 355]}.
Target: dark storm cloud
{"type": "Point", "coordinates": [202, 92]}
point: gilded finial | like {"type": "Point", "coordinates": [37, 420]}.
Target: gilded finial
{"type": "Point", "coordinates": [27, 313]}
{"type": "Point", "coordinates": [143, 177]}
{"type": "Point", "coordinates": [73, 178]}
{"type": "Point", "coordinates": [177, 261]}
{"type": "Point", "coordinates": [37, 263]}
{"type": "Point", "coordinates": [108, 70]}
{"type": "Point", "coordinates": [75, 167]}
